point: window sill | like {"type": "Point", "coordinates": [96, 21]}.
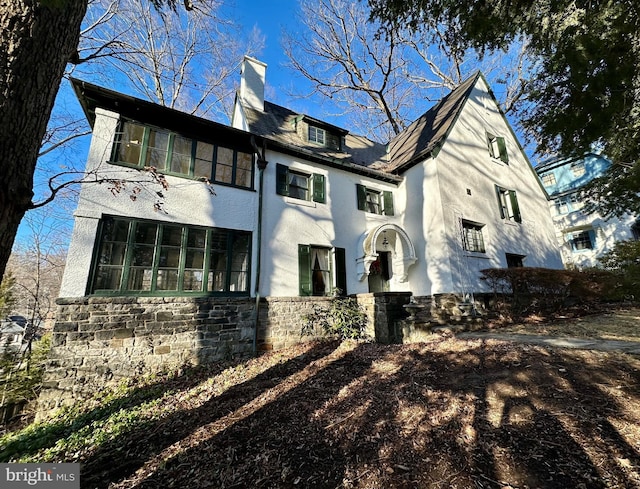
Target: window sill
{"type": "Point", "coordinates": [300, 202]}
{"type": "Point", "coordinates": [476, 254]}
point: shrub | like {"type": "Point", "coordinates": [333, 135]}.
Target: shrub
{"type": "Point", "coordinates": [624, 260]}
{"type": "Point", "coordinates": [344, 318]}
{"type": "Point", "coordinates": [528, 290]}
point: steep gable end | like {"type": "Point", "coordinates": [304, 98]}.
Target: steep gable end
{"type": "Point", "coordinates": [429, 131]}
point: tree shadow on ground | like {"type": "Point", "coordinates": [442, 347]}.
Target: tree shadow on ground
{"type": "Point", "coordinates": [149, 439]}
{"type": "Point", "coordinates": [67, 421]}
{"type": "Point", "coordinates": [486, 415]}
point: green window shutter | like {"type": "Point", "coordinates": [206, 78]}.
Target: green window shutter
{"type": "Point", "coordinates": [503, 150]}
{"type": "Point", "coordinates": [387, 199]}
{"type": "Point", "coordinates": [514, 206]}
{"type": "Point", "coordinates": [361, 192]}
{"type": "Point", "coordinates": [304, 270]}
{"type": "Point", "coordinates": [341, 270]}
{"type": "Point", "coordinates": [318, 188]}
{"type": "Point", "coordinates": [501, 207]}
{"type": "Point", "coordinates": [282, 179]}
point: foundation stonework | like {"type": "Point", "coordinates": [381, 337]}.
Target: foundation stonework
{"type": "Point", "coordinates": [101, 340]}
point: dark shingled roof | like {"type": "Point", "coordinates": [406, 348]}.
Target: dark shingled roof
{"type": "Point", "coordinates": [421, 138]}
{"type": "Point", "coordinates": [279, 124]}
{"type": "Point", "coordinates": [429, 131]}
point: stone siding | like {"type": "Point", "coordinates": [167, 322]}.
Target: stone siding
{"type": "Point", "coordinates": [101, 339]}
{"type": "Point", "coordinates": [98, 340]}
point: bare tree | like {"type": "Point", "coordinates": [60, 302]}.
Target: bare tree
{"type": "Point", "coordinates": [184, 60]}
{"type": "Point", "coordinates": [37, 267]}
{"type": "Point", "coordinates": [378, 76]}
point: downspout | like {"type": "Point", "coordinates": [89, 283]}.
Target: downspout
{"type": "Point", "coordinates": [262, 164]}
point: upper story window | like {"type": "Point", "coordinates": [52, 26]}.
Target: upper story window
{"type": "Point", "coordinates": [577, 168]}
{"type": "Point", "coordinates": [567, 204]}
{"type": "Point", "coordinates": [548, 179]}
{"type": "Point", "coordinates": [374, 201]}
{"type": "Point", "coordinates": [139, 145]}
{"type": "Point", "coordinates": [300, 185]}
{"type": "Point", "coordinates": [472, 238]}
{"type": "Point", "coordinates": [583, 240]}
{"type": "Point", "coordinates": [497, 147]}
{"type": "Point", "coordinates": [508, 204]}
{"type": "Point", "coordinates": [317, 135]}
{"type": "Point", "coordinates": [153, 258]}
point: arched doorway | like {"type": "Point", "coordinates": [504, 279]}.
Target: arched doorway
{"type": "Point", "coordinates": [388, 254]}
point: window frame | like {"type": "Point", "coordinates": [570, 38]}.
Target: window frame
{"type": "Point", "coordinates": [548, 179]}
{"type": "Point", "coordinates": [317, 135]}
{"type": "Point", "coordinates": [476, 243]}
{"type": "Point", "coordinates": [508, 204]}
{"type": "Point", "coordinates": [583, 241]}
{"type": "Point", "coordinates": [336, 270]}
{"type": "Point", "coordinates": [497, 147]}
{"type": "Point", "coordinates": [316, 184]}
{"type": "Point", "coordinates": [194, 160]}
{"type": "Point", "coordinates": [154, 268]}
{"type": "Point", "coordinates": [386, 207]}
{"type": "Point", "coordinates": [578, 168]}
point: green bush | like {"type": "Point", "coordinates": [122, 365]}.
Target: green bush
{"type": "Point", "coordinates": [624, 260]}
{"type": "Point", "coordinates": [21, 376]}
{"type": "Point", "coordinates": [343, 318]}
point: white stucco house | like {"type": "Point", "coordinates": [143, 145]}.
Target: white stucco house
{"type": "Point", "coordinates": [582, 237]}
{"type": "Point", "coordinates": [302, 207]}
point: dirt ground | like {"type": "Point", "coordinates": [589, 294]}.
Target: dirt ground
{"type": "Point", "coordinates": [448, 413]}
{"type": "Point", "coordinates": [620, 323]}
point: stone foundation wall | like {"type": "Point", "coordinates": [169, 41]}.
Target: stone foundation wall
{"type": "Point", "coordinates": [282, 318]}
{"type": "Point", "coordinates": [98, 340]}
{"type": "Point", "coordinates": [101, 339]}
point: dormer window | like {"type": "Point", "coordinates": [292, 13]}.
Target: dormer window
{"type": "Point", "coordinates": [317, 135]}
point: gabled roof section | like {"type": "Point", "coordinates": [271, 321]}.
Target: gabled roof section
{"type": "Point", "coordinates": [92, 96]}
{"type": "Point", "coordinates": [280, 124]}
{"type": "Point", "coordinates": [427, 133]}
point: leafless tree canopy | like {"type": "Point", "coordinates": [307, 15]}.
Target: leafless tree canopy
{"type": "Point", "coordinates": [377, 78]}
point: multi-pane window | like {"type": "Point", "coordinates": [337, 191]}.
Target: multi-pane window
{"type": "Point", "coordinates": [561, 205]}
{"type": "Point", "coordinates": [321, 270]}
{"type": "Point", "coordinates": [374, 201]}
{"type": "Point", "coordinates": [317, 135]}
{"type": "Point", "coordinates": [141, 145]}
{"type": "Point", "coordinates": [300, 185]}
{"type": "Point", "coordinates": [577, 168]}
{"type": "Point", "coordinates": [508, 204]}
{"type": "Point", "coordinates": [157, 258]}
{"type": "Point", "coordinates": [568, 204]}
{"type": "Point", "coordinates": [549, 179]}
{"type": "Point", "coordinates": [472, 236]}
{"type": "Point", "coordinates": [497, 147]}
{"type": "Point", "coordinates": [583, 240]}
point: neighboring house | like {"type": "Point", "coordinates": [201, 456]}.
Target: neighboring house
{"type": "Point", "coordinates": [582, 237]}
{"type": "Point", "coordinates": [12, 332]}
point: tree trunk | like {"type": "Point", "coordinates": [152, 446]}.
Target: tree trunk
{"type": "Point", "coordinates": [36, 41]}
